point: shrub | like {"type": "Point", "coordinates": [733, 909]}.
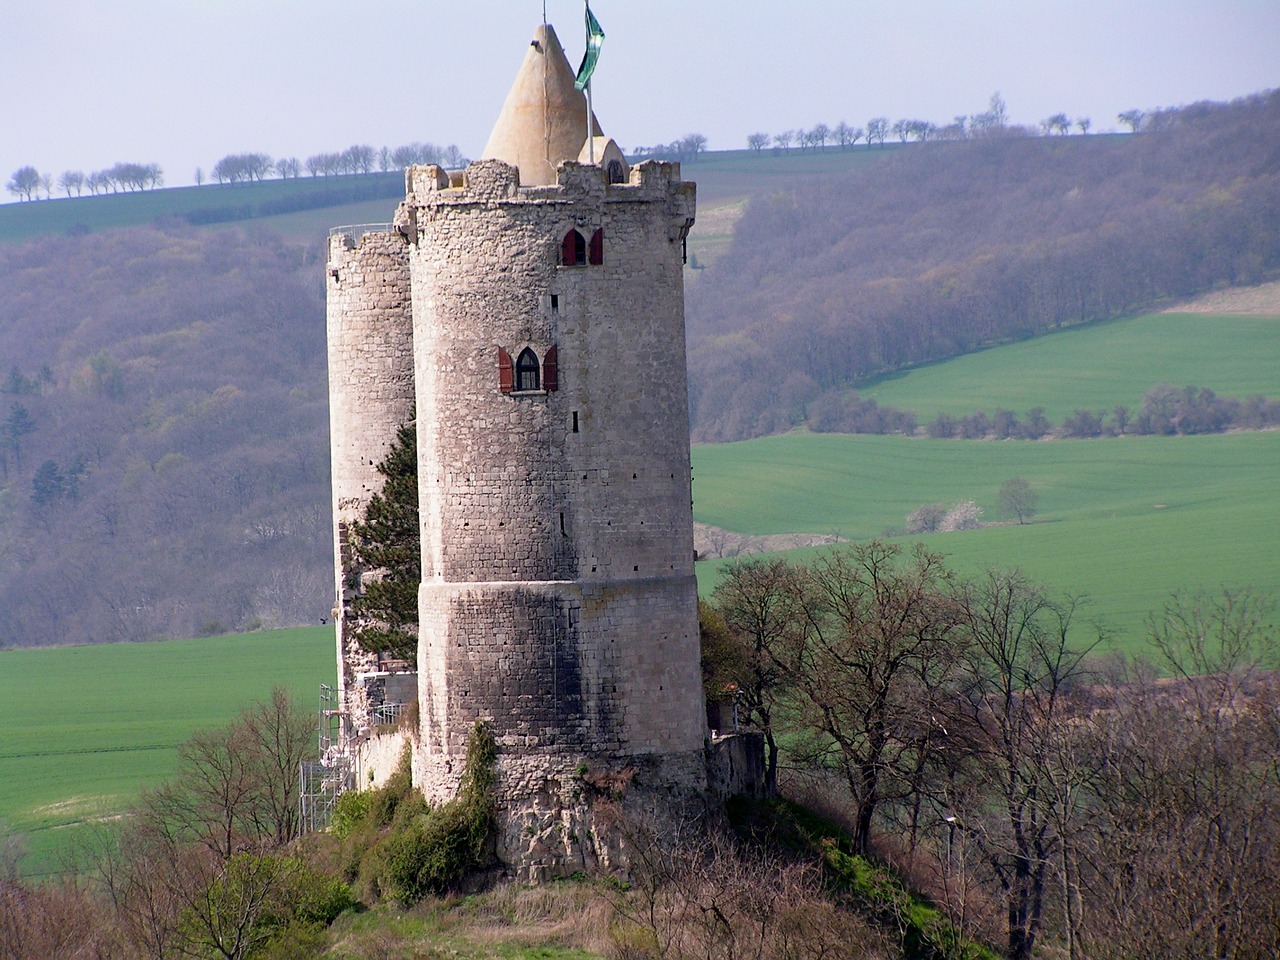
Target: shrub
{"type": "Point", "coordinates": [1083, 423]}
{"type": "Point", "coordinates": [975, 426]}
{"type": "Point", "coordinates": [965, 515]}
{"type": "Point", "coordinates": [259, 899]}
{"type": "Point", "coordinates": [926, 519]}
{"type": "Point", "coordinates": [352, 808]}
{"type": "Point", "coordinates": [942, 427]}
{"type": "Point", "coordinates": [429, 851]}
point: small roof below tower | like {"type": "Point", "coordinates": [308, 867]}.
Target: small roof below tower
{"type": "Point", "coordinates": [544, 119]}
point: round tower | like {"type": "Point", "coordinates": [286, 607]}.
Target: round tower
{"type": "Point", "coordinates": [371, 393]}
{"type": "Point", "coordinates": [558, 600]}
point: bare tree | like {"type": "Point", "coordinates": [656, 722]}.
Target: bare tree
{"type": "Point", "coordinates": [1187, 804]}
{"type": "Point", "coordinates": [1132, 118]}
{"type": "Point", "coordinates": [760, 601]}
{"type": "Point", "coordinates": [24, 183]}
{"type": "Point", "coordinates": [71, 180]}
{"type": "Point", "coordinates": [869, 668]}
{"type": "Point", "coordinates": [1058, 123]}
{"type": "Point", "coordinates": [877, 130]}
{"type": "Point", "coordinates": [846, 135]}
{"type": "Point", "coordinates": [1018, 666]}
{"type": "Point", "coordinates": [1017, 498]}
{"type": "Point", "coordinates": [237, 787]}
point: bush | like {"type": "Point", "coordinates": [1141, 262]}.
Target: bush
{"type": "Point", "coordinates": [425, 850]}
{"type": "Point", "coordinates": [925, 931]}
{"type": "Point", "coordinates": [257, 900]}
{"type": "Point", "coordinates": [926, 519]}
{"type": "Point", "coordinates": [965, 515]}
{"type": "Point", "coordinates": [352, 807]}
{"type": "Point", "coordinates": [1083, 423]}
{"type": "Point", "coordinates": [942, 427]}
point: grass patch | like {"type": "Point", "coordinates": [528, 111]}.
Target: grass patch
{"type": "Point", "coordinates": [84, 729]}
{"type": "Point", "coordinates": [923, 932]}
{"type": "Point", "coordinates": [470, 929]}
{"type": "Point", "coordinates": [1123, 521]}
{"type": "Point", "coordinates": [1097, 367]}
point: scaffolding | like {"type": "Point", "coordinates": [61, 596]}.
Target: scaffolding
{"type": "Point", "coordinates": [325, 779]}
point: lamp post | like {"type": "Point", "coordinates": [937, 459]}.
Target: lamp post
{"type": "Point", "coordinates": [950, 821]}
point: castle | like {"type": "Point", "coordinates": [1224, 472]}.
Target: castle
{"type": "Point", "coordinates": [530, 310]}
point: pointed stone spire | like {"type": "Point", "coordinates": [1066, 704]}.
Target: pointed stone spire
{"type": "Point", "coordinates": [544, 120]}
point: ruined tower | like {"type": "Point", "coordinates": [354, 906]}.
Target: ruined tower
{"type": "Point", "coordinates": [558, 600]}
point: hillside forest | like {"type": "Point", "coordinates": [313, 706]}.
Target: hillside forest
{"type": "Point", "coordinates": [955, 245]}
{"type": "Point", "coordinates": [163, 428]}
{"type": "Point", "coordinates": [172, 474]}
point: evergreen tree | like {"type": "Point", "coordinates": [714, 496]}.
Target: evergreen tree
{"type": "Point", "coordinates": [387, 541]}
{"type": "Point", "coordinates": [48, 484]}
{"type": "Point", "coordinates": [16, 426]}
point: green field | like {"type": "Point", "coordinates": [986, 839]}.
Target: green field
{"type": "Point", "coordinates": [83, 729]}
{"type": "Point", "coordinates": [1124, 521]}
{"type": "Point", "coordinates": [1097, 367]}
{"type": "Point", "coordinates": [326, 200]}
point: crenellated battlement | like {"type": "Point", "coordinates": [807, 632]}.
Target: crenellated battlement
{"type": "Point", "coordinates": [488, 181]}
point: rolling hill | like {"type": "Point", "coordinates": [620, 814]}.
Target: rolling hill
{"type": "Point", "coordinates": [162, 386]}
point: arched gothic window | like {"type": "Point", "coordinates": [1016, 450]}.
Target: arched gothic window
{"type": "Point", "coordinates": [573, 249]}
{"type": "Point", "coordinates": [616, 172]}
{"type": "Point", "coordinates": [527, 370]}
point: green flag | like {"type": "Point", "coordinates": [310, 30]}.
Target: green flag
{"type": "Point", "coordinates": [595, 39]}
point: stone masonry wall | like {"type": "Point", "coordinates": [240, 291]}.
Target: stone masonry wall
{"type": "Point", "coordinates": [371, 393]}
{"type": "Point", "coordinates": [558, 597]}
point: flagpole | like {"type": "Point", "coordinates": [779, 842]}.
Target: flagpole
{"type": "Point", "coordinates": [591, 140]}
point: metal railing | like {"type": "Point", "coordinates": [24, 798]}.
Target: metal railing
{"type": "Point", "coordinates": [387, 714]}
{"type": "Point", "coordinates": [357, 230]}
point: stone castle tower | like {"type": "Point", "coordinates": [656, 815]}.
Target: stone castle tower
{"type": "Point", "coordinates": [531, 309]}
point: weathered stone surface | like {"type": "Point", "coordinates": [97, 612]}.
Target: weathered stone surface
{"type": "Point", "coordinates": [558, 600]}
{"type": "Point", "coordinates": [370, 335]}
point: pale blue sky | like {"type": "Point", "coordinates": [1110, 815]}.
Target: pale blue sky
{"type": "Point", "coordinates": [87, 83]}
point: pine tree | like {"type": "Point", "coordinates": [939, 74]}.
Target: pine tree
{"type": "Point", "coordinates": [387, 541]}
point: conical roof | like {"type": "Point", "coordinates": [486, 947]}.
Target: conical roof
{"type": "Point", "coordinates": [544, 120]}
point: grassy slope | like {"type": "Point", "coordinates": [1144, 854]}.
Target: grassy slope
{"type": "Point", "coordinates": [24, 221]}
{"type": "Point", "coordinates": [1124, 521]}
{"type": "Point", "coordinates": [1097, 367]}
{"type": "Point", "coordinates": [82, 729]}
